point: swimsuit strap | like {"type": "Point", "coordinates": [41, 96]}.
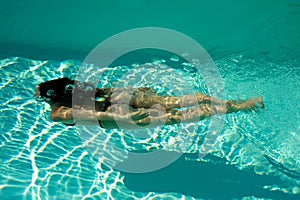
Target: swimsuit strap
{"type": "Point", "coordinates": [69, 124]}
{"type": "Point", "coordinates": [75, 124]}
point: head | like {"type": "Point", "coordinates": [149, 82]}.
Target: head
{"type": "Point", "coordinates": [55, 90]}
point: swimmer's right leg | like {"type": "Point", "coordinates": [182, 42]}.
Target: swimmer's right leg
{"type": "Point", "coordinates": [200, 112]}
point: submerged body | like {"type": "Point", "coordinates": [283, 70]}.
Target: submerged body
{"type": "Point", "coordinates": [132, 108]}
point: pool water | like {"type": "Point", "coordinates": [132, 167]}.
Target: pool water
{"type": "Point", "coordinates": [255, 46]}
{"type": "Point", "coordinates": [256, 154]}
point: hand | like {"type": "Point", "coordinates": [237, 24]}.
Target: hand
{"type": "Point", "coordinates": [135, 116]}
{"type": "Point", "coordinates": [139, 114]}
{"type": "Point", "coordinates": [105, 116]}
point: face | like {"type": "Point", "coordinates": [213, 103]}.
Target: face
{"type": "Point", "coordinates": [55, 90]}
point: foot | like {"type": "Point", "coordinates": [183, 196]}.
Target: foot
{"type": "Point", "coordinates": [259, 102]}
{"type": "Point", "coordinates": [250, 104]}
{"type": "Point", "coordinates": [255, 103]}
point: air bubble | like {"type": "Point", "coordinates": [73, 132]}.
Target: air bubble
{"type": "Point", "coordinates": [174, 58]}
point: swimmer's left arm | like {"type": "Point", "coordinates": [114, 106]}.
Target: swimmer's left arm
{"type": "Point", "coordinates": [135, 116]}
{"type": "Point", "coordinates": [65, 114]}
{"type": "Point", "coordinates": [61, 114]}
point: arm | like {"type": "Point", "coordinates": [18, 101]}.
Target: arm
{"type": "Point", "coordinates": [65, 114]}
{"type": "Point", "coordinates": [61, 113]}
{"type": "Point", "coordinates": [135, 116]}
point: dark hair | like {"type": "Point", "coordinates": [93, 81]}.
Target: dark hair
{"type": "Point", "coordinates": [61, 89]}
{"type": "Point", "coordinates": [56, 90]}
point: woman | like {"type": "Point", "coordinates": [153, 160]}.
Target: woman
{"type": "Point", "coordinates": [145, 106]}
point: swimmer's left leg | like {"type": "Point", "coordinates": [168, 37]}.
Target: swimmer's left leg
{"type": "Point", "coordinates": [170, 102]}
{"type": "Point", "coordinates": [143, 100]}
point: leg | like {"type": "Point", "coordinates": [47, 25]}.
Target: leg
{"type": "Point", "coordinates": [147, 98]}
{"type": "Point", "coordinates": [168, 102]}
{"type": "Point", "coordinates": [200, 112]}
{"type": "Point", "coordinates": [143, 100]}
{"type": "Point", "coordinates": [207, 110]}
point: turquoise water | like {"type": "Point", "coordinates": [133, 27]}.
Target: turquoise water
{"type": "Point", "coordinates": [64, 30]}
{"type": "Point", "coordinates": [41, 159]}
{"type": "Point", "coordinates": [256, 49]}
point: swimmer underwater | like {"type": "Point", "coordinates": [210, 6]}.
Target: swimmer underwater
{"type": "Point", "coordinates": [146, 107]}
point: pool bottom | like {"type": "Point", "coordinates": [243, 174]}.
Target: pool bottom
{"type": "Point", "coordinates": [44, 160]}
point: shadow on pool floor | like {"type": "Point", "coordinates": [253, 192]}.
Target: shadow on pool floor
{"type": "Point", "coordinates": [206, 180]}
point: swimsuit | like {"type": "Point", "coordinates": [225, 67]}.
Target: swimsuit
{"type": "Point", "coordinates": [103, 98]}
{"type": "Point", "coordinates": [102, 102]}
